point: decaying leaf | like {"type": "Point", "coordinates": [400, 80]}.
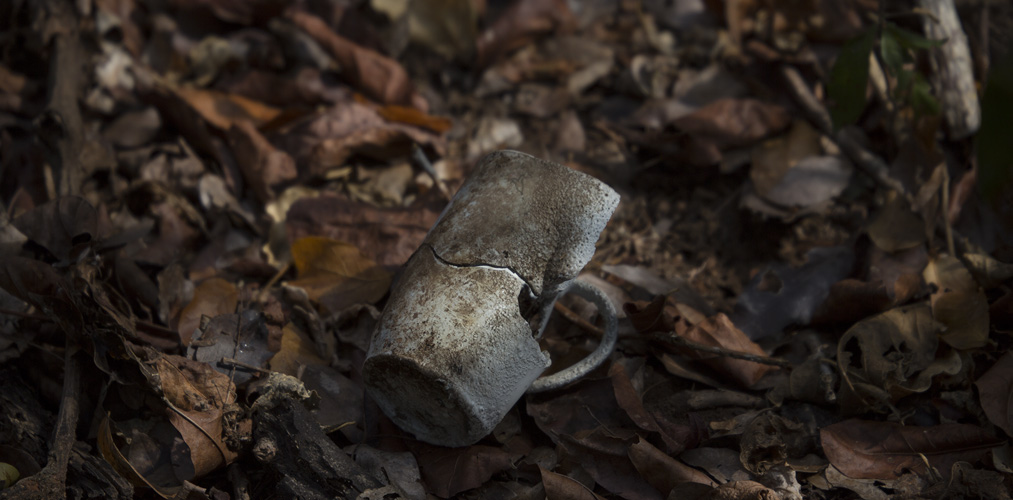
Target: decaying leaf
{"type": "Point", "coordinates": [558, 486]}
{"type": "Point", "coordinates": [896, 356]}
{"type": "Point", "coordinates": [995, 388]}
{"type": "Point", "coordinates": [336, 274]}
{"type": "Point", "coordinates": [884, 450]}
{"type": "Point", "coordinates": [212, 297]}
{"type": "Point", "coordinates": [735, 122]}
{"type": "Point", "coordinates": [387, 235]}
{"type": "Point", "coordinates": [958, 303]}
{"type": "Point", "coordinates": [896, 227]}
{"type": "Point", "coordinates": [376, 75]}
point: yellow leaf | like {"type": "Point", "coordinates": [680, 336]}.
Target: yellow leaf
{"type": "Point", "coordinates": [336, 274]}
{"type": "Point", "coordinates": [297, 349]}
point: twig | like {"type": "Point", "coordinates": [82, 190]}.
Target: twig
{"type": "Point", "coordinates": [420, 157]}
{"type": "Point", "coordinates": [60, 126]}
{"type": "Point", "coordinates": [673, 338]}
{"type": "Point", "coordinates": [235, 363]}
{"type": "Point", "coordinates": [864, 160]}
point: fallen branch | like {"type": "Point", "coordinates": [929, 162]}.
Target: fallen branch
{"type": "Point", "coordinates": [51, 481]}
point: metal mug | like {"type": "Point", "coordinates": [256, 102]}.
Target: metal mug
{"type": "Point", "coordinates": [457, 344]}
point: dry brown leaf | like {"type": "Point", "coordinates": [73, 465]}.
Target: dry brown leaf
{"type": "Point", "coordinates": [560, 487]}
{"type": "Point", "coordinates": [297, 350]}
{"type": "Point", "coordinates": [225, 110]}
{"type": "Point", "coordinates": [896, 227]}
{"type": "Point", "coordinates": [264, 167]}
{"type": "Point", "coordinates": [732, 122]}
{"type": "Point", "coordinates": [198, 397]}
{"type": "Point", "coordinates": [336, 274]}
{"type": "Point", "coordinates": [449, 471]}
{"type": "Point", "coordinates": [378, 76]}
{"type": "Point", "coordinates": [327, 139]}
{"type": "Point", "coordinates": [523, 21]}
{"type": "Point", "coordinates": [412, 116]}
{"type": "Point", "coordinates": [995, 390]}
{"type": "Point", "coordinates": [387, 235]}
{"type": "Point", "coordinates": [896, 356]}
{"type": "Point", "coordinates": [663, 471]}
{"type": "Point", "coordinates": [719, 331]}
{"type": "Point", "coordinates": [864, 449]}
{"type": "Point", "coordinates": [958, 302]}
{"type": "Point", "coordinates": [211, 298]}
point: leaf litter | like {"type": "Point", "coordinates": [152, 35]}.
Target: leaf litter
{"type": "Point", "coordinates": [204, 212]}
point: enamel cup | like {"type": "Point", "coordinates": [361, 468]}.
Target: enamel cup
{"type": "Point", "coordinates": [457, 344]}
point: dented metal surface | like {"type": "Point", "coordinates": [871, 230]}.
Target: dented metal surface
{"type": "Point", "coordinates": [456, 346]}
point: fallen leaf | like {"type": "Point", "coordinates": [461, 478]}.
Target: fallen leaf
{"type": "Point", "coordinates": [995, 391]}
{"type": "Point", "coordinates": [773, 158]}
{"type": "Point", "coordinates": [386, 235]}
{"type": "Point", "coordinates": [523, 21]}
{"type": "Point", "coordinates": [958, 303]}
{"type": "Point", "coordinates": [198, 397]}
{"type": "Point", "coordinates": [412, 116]}
{"type": "Point", "coordinates": [327, 139]}
{"type": "Point", "coordinates": [378, 76]}
{"type": "Point", "coordinates": [336, 274]}
{"type": "Point", "coordinates": [864, 449]}
{"type": "Point", "coordinates": [297, 351]}
{"type": "Point", "coordinates": [225, 110]}
{"type": "Point", "coordinates": [448, 27]}
{"type": "Point", "coordinates": [450, 471]}
{"type": "Point", "coordinates": [59, 225]}
{"type": "Point", "coordinates": [242, 337]}
{"type": "Point", "coordinates": [560, 487]}
{"type": "Point", "coordinates": [164, 487]}
{"type": "Point", "coordinates": [212, 297]}
{"type": "Point", "coordinates": [663, 471]}
{"type": "Point", "coordinates": [719, 331]}
{"type": "Point", "coordinates": [896, 227]}
{"type": "Point", "coordinates": [896, 356]}
{"type": "Point", "coordinates": [781, 295]}
{"type": "Point", "coordinates": [400, 468]}
{"type": "Point", "coordinates": [734, 122]}
{"type": "Point", "coordinates": [604, 453]}
{"type": "Point", "coordinates": [306, 87]}
{"type": "Point", "coordinates": [676, 439]}
{"type": "Point", "coordinates": [264, 167]}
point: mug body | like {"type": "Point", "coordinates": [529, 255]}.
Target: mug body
{"type": "Point", "coordinates": [456, 346]}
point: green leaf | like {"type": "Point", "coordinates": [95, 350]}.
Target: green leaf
{"type": "Point", "coordinates": [922, 99]}
{"type": "Point", "coordinates": [909, 39]}
{"type": "Point", "coordinates": [849, 78]}
{"type": "Point", "coordinates": [994, 147]}
{"type": "Point", "coordinates": [892, 52]}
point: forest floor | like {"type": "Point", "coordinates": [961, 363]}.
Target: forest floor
{"type": "Point", "coordinates": [206, 204]}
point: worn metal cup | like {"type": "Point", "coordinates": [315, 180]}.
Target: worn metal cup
{"type": "Point", "coordinates": [457, 346]}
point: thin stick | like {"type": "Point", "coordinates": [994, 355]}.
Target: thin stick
{"type": "Point", "coordinates": [673, 338]}
{"type": "Point", "coordinates": [235, 363]}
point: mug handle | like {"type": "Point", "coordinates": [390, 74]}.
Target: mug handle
{"type": "Point", "coordinates": [591, 293]}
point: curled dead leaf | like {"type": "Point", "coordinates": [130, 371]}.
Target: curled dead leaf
{"type": "Point", "coordinates": [864, 449]}
{"type": "Point", "coordinates": [896, 356]}
{"type": "Point", "coordinates": [958, 303]}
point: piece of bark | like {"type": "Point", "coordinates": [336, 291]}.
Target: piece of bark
{"type": "Point", "coordinates": [952, 69]}
{"type": "Point", "coordinates": [289, 441]}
